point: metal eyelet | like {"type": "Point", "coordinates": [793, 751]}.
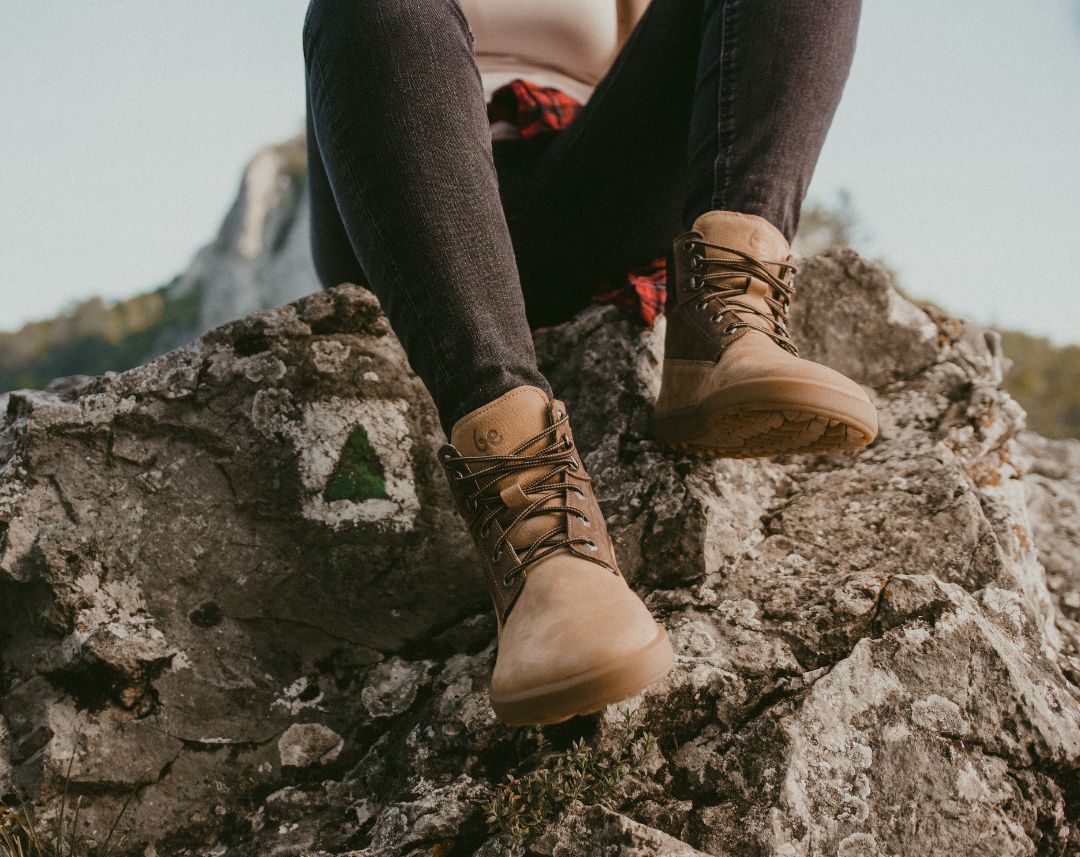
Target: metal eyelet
{"type": "Point", "coordinates": [696, 262]}
{"type": "Point", "coordinates": [730, 329]}
{"type": "Point", "coordinates": [495, 557]}
{"type": "Point", "coordinates": [447, 456]}
{"type": "Point", "coordinates": [573, 464]}
{"type": "Point", "coordinates": [716, 317]}
{"type": "Point", "coordinates": [577, 491]}
{"type": "Point", "coordinates": [591, 545]}
{"type": "Point", "coordinates": [471, 504]}
{"type": "Point", "coordinates": [484, 529]}
{"type": "Point", "coordinates": [688, 244]}
{"type": "Point", "coordinates": [702, 305]}
{"type": "Point", "coordinates": [693, 284]}
{"type": "Point", "coordinates": [507, 580]}
{"type": "Point", "coordinates": [585, 521]}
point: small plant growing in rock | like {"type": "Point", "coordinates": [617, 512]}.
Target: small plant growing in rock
{"type": "Point", "coordinates": [582, 773]}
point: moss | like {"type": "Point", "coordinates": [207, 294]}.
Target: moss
{"type": "Point", "coordinates": [359, 474]}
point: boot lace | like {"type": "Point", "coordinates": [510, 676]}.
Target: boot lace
{"type": "Point", "coordinates": [726, 279]}
{"type": "Point", "coordinates": [486, 470]}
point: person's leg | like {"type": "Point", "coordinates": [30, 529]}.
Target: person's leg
{"type": "Point", "coordinates": [701, 139]}
{"type": "Point", "coordinates": [709, 104]}
{"type": "Point", "coordinates": [768, 84]}
{"type": "Point", "coordinates": [399, 123]}
{"type": "Point", "coordinates": [400, 128]}
{"type": "Point", "coordinates": [331, 251]}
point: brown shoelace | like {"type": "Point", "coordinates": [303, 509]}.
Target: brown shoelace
{"type": "Point", "coordinates": [741, 270]}
{"type": "Point", "coordinates": [558, 459]}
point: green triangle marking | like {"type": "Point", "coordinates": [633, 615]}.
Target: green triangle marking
{"type": "Point", "coordinates": [359, 474]}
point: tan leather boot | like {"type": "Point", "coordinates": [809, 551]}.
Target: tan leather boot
{"type": "Point", "coordinates": [573, 637]}
{"type": "Point", "coordinates": [733, 383]}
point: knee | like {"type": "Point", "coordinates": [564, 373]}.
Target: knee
{"type": "Point", "coordinates": [382, 24]}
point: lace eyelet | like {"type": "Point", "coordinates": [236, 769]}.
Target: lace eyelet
{"type": "Point", "coordinates": [585, 521]}
{"type": "Point", "coordinates": [471, 504]}
{"type": "Point", "coordinates": [716, 317]}
{"type": "Point", "coordinates": [507, 580]}
{"type": "Point", "coordinates": [688, 244]}
{"type": "Point", "coordinates": [573, 464]}
{"type": "Point", "coordinates": [727, 331]}
{"type": "Point", "coordinates": [578, 491]}
{"type": "Point", "coordinates": [484, 530]}
{"type": "Point", "coordinates": [693, 284]}
{"type": "Point", "coordinates": [448, 455]}
{"type": "Point", "coordinates": [702, 306]}
{"type": "Point", "coordinates": [591, 545]}
{"type": "Point", "coordinates": [495, 557]}
{"type": "Point", "coordinates": [696, 263]}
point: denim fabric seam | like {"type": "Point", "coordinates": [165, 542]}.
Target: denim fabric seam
{"type": "Point", "coordinates": [373, 223]}
{"type": "Point", "coordinates": [456, 8]}
{"type": "Point", "coordinates": [725, 108]}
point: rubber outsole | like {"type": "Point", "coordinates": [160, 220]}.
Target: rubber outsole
{"type": "Point", "coordinates": [587, 692]}
{"type": "Point", "coordinates": [770, 416]}
{"type": "Point", "coordinates": [755, 433]}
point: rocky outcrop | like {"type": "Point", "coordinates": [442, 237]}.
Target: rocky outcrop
{"type": "Point", "coordinates": [261, 256]}
{"type": "Point", "coordinates": [232, 583]}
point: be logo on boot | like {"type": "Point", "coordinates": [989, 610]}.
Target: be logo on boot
{"type": "Point", "coordinates": [487, 440]}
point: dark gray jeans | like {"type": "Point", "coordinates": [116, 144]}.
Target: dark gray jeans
{"type": "Point", "coordinates": [710, 104]}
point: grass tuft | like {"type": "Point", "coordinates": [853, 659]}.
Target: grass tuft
{"type": "Point", "coordinates": [522, 805]}
{"type": "Point", "coordinates": [21, 834]}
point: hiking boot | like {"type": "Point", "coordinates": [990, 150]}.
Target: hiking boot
{"type": "Point", "coordinates": [573, 636]}
{"type": "Point", "coordinates": [733, 383]}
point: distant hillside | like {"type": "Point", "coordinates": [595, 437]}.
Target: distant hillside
{"type": "Point", "coordinates": [96, 336]}
{"type": "Point", "coordinates": [261, 258]}
{"type": "Point", "coordinates": [1045, 379]}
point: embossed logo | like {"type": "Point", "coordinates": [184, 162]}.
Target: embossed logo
{"type": "Point", "coordinates": [486, 440]}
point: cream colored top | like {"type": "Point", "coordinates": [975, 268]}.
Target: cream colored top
{"type": "Point", "coordinates": [568, 44]}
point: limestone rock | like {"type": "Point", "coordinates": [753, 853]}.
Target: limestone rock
{"type": "Point", "coordinates": [304, 744]}
{"type": "Point", "coordinates": [232, 582]}
{"type": "Point", "coordinates": [1052, 479]}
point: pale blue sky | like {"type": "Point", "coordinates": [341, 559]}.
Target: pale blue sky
{"type": "Point", "coordinates": [126, 124]}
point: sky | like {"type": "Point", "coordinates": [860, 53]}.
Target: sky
{"type": "Point", "coordinates": [127, 123]}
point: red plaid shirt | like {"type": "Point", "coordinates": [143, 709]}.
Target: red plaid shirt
{"type": "Point", "coordinates": [535, 110]}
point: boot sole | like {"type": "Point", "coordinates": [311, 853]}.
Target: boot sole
{"type": "Point", "coordinates": [770, 417]}
{"type": "Point", "coordinates": [587, 692]}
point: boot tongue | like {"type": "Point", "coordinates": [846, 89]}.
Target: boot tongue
{"type": "Point", "coordinates": [498, 429]}
{"type": "Point", "coordinates": [753, 235]}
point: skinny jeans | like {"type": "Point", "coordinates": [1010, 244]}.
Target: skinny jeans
{"type": "Point", "coordinates": [469, 243]}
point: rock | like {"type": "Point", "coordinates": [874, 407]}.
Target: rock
{"type": "Point", "coordinates": [1052, 483]}
{"type": "Point", "coordinates": [886, 338]}
{"type": "Point", "coordinates": [304, 744]}
{"type": "Point", "coordinates": [233, 584]}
